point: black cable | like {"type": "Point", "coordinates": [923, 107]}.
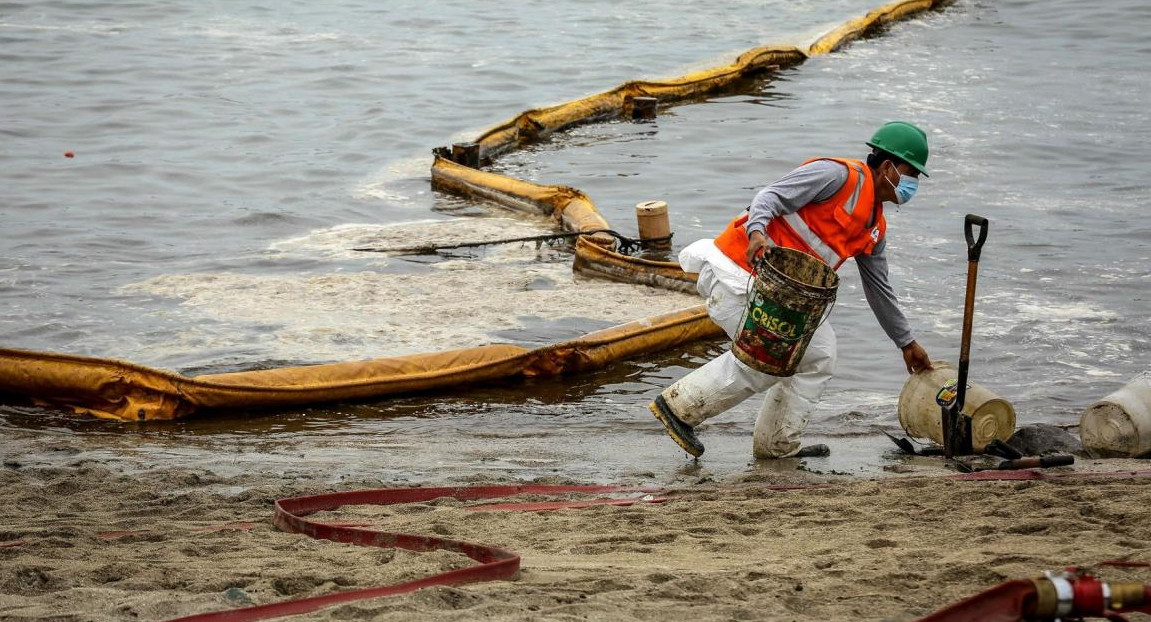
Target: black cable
{"type": "Point", "coordinates": [626, 245]}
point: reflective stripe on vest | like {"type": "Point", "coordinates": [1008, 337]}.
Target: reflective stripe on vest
{"type": "Point", "coordinates": [849, 207]}
{"type": "Point", "coordinates": [825, 252]}
{"type": "Point", "coordinates": [832, 230]}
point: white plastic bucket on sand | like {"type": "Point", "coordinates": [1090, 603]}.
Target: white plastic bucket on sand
{"type": "Point", "coordinates": [992, 417]}
{"type": "Point", "coordinates": [1120, 424]}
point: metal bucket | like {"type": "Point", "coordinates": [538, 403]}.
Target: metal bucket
{"type": "Point", "coordinates": [792, 293]}
{"type": "Point", "coordinates": [920, 407]}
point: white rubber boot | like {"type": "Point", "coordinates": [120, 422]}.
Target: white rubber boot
{"type": "Point", "coordinates": [788, 406]}
{"type": "Point", "coordinates": [780, 424]}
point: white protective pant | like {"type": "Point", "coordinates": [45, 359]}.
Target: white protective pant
{"type": "Point", "coordinates": [726, 381]}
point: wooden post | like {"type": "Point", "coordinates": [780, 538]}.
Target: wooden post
{"type": "Point", "coordinates": [467, 154]}
{"type": "Point", "coordinates": [643, 107]}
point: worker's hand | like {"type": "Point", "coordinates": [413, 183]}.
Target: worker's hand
{"type": "Point", "coordinates": [756, 243]}
{"type": "Point", "coordinates": [915, 357]}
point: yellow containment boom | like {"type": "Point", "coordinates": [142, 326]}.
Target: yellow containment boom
{"type": "Point", "coordinates": [871, 23]}
{"type": "Point", "coordinates": [120, 390]}
{"type": "Point", "coordinates": [532, 125]}
{"type": "Point", "coordinates": [570, 208]}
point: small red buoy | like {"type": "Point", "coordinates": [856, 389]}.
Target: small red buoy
{"type": "Point", "coordinates": [69, 154]}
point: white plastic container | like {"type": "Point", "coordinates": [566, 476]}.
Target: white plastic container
{"type": "Point", "coordinates": [1119, 425]}
{"type": "Point", "coordinates": [992, 417]}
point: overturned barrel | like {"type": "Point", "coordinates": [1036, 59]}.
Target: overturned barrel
{"type": "Point", "coordinates": [920, 412]}
{"type": "Point", "coordinates": [1119, 425]}
{"type": "Point", "coordinates": [789, 300]}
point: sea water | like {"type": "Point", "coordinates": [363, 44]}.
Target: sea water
{"type": "Point", "coordinates": [227, 156]}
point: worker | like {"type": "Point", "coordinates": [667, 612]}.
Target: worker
{"type": "Point", "coordinates": [832, 209]}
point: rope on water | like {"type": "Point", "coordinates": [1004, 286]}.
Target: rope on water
{"type": "Point", "coordinates": [627, 245]}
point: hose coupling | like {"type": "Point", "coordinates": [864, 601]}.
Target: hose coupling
{"type": "Point", "coordinates": [1079, 594]}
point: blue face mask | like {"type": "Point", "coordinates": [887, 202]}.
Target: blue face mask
{"type": "Point", "coordinates": [906, 188]}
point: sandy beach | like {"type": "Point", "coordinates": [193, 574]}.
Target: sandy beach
{"type": "Point", "coordinates": [86, 541]}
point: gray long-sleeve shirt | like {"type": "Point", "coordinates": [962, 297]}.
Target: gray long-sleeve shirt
{"type": "Point", "coordinates": [819, 181]}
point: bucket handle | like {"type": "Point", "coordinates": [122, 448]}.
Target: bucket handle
{"type": "Point", "coordinates": [826, 315]}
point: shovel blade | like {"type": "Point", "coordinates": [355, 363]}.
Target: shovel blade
{"type": "Point", "coordinates": [902, 443]}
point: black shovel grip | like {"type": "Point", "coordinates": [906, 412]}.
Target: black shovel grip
{"type": "Point", "coordinates": [973, 245]}
{"type": "Point", "coordinates": [1036, 463]}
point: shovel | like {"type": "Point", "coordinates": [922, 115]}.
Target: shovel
{"type": "Point", "coordinates": [1019, 463]}
{"type": "Point", "coordinates": [906, 447]}
{"type": "Point", "coordinates": [956, 426]}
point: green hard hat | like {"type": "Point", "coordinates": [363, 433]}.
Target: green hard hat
{"type": "Point", "coordinates": [904, 141]}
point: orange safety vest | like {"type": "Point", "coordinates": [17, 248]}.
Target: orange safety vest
{"type": "Point", "coordinates": [850, 223]}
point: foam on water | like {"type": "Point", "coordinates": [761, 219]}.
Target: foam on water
{"type": "Point", "coordinates": [339, 242]}
{"type": "Point", "coordinates": [258, 33]}
{"type": "Point", "coordinates": [393, 182]}
{"type": "Point", "coordinates": [1031, 309]}
{"type": "Point", "coordinates": [444, 304]}
{"type": "Point", "coordinates": [96, 29]}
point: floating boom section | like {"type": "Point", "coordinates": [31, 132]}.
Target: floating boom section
{"type": "Point", "coordinates": [871, 24]}
{"type": "Point", "coordinates": [532, 125]}
{"type": "Point", "coordinates": [595, 260]}
{"type": "Point", "coordinates": [570, 208]}
{"type": "Point", "coordinates": [125, 391]}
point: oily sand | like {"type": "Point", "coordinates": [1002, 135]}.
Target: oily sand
{"type": "Point", "coordinates": [86, 542]}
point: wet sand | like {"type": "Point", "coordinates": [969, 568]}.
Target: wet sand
{"type": "Point", "coordinates": [86, 539]}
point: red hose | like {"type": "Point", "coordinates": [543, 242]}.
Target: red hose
{"type": "Point", "coordinates": [1005, 602]}
{"type": "Point", "coordinates": [1017, 600]}
{"type": "Point", "coordinates": [1038, 474]}
{"type": "Point", "coordinates": [494, 563]}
